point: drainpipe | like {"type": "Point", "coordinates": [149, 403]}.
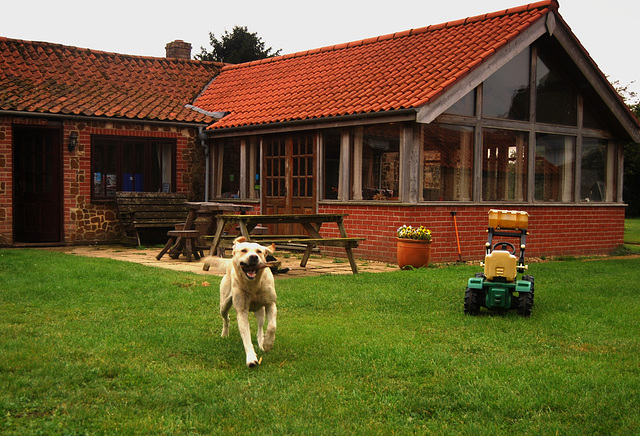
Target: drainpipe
{"type": "Point", "coordinates": [207, 153]}
{"type": "Point", "coordinates": [202, 136]}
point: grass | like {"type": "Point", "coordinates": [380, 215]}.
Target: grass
{"type": "Point", "coordinates": [632, 231]}
{"type": "Point", "coordinates": [99, 346]}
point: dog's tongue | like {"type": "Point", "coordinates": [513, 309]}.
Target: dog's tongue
{"type": "Point", "coordinates": [251, 273]}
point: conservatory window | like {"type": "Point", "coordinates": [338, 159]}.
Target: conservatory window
{"type": "Point", "coordinates": [332, 140]}
{"type": "Point", "coordinates": [554, 170]}
{"type": "Point", "coordinates": [447, 169]}
{"type": "Point", "coordinates": [506, 92]}
{"type": "Point", "coordinates": [557, 101]}
{"type": "Point", "coordinates": [595, 160]}
{"type": "Point", "coordinates": [230, 174]}
{"type": "Point", "coordinates": [377, 156]}
{"type": "Point", "coordinates": [504, 165]}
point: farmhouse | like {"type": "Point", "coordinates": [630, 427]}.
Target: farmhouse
{"type": "Point", "coordinates": [504, 110]}
{"type": "Point", "coordinates": [77, 125]}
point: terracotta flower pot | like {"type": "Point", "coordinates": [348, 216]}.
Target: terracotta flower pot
{"type": "Point", "coordinates": [414, 253]}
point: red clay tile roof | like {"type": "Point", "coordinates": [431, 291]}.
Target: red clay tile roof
{"type": "Point", "coordinates": [57, 79]}
{"type": "Point", "coordinates": [391, 72]}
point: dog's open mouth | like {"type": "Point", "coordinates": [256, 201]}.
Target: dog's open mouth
{"type": "Point", "coordinates": [251, 270]}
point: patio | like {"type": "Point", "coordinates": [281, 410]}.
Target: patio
{"type": "Point", "coordinates": [317, 265]}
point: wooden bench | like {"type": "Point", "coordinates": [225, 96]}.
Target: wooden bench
{"type": "Point", "coordinates": [300, 240]}
{"type": "Point", "coordinates": [149, 210]}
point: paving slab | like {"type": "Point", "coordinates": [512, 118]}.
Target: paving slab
{"type": "Point", "coordinates": [317, 265]}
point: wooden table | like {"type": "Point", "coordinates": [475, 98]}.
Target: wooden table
{"type": "Point", "coordinates": [187, 239]}
{"type": "Point", "coordinates": [310, 222]}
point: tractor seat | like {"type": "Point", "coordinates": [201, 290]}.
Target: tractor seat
{"type": "Point", "coordinates": [500, 263]}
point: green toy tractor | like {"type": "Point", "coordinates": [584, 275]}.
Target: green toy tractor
{"type": "Point", "coordinates": [497, 288]}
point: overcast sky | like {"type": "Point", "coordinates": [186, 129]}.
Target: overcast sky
{"type": "Point", "coordinates": [605, 28]}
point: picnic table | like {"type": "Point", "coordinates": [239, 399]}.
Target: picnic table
{"type": "Point", "coordinates": [188, 239]}
{"type": "Point", "coordinates": [310, 222]}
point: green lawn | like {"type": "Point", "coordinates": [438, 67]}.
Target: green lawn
{"type": "Point", "coordinates": [632, 231]}
{"type": "Point", "coordinates": [99, 346]}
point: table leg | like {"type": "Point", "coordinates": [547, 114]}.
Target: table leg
{"type": "Point", "coordinates": [166, 248]}
{"type": "Point", "coordinates": [216, 240]}
{"type": "Point", "coordinates": [305, 256]}
{"type": "Point", "coordinates": [352, 260]}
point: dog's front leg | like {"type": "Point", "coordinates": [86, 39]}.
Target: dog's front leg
{"type": "Point", "coordinates": [270, 336]}
{"type": "Point", "coordinates": [260, 322]}
{"type": "Point", "coordinates": [245, 334]}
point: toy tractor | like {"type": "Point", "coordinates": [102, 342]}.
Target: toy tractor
{"type": "Point", "coordinates": [497, 288]}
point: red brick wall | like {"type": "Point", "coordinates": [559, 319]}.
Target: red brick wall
{"type": "Point", "coordinates": [553, 230]}
{"type": "Point", "coordinates": [84, 221]}
{"type": "Point", "coordinates": [6, 185]}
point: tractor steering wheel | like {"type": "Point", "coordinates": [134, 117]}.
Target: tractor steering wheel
{"type": "Point", "coordinates": [504, 247]}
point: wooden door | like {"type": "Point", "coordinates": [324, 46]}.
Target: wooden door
{"type": "Point", "coordinates": [289, 176]}
{"type": "Point", "coordinates": [37, 173]}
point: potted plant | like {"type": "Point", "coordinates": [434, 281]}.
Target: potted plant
{"type": "Point", "coordinates": [414, 247]}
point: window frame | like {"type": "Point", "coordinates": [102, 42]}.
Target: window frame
{"type": "Point", "coordinates": [120, 143]}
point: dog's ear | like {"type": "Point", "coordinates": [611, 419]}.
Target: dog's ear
{"type": "Point", "coordinates": [239, 240]}
{"type": "Point", "coordinates": [271, 248]}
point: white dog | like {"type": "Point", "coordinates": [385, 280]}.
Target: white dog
{"type": "Point", "coordinates": [248, 284]}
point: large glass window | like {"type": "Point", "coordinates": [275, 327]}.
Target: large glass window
{"type": "Point", "coordinates": [380, 151]}
{"type": "Point", "coordinates": [557, 100]}
{"type": "Point", "coordinates": [230, 183]}
{"type": "Point", "coordinates": [593, 183]}
{"type": "Point", "coordinates": [465, 106]}
{"type": "Point", "coordinates": [332, 143]}
{"type": "Point", "coordinates": [506, 93]}
{"type": "Point", "coordinates": [447, 170]}
{"type": "Point", "coordinates": [131, 164]}
{"type": "Point", "coordinates": [555, 161]}
{"type": "Point", "coordinates": [504, 165]}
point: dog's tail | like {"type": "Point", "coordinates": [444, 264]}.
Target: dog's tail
{"type": "Point", "coordinates": [218, 263]}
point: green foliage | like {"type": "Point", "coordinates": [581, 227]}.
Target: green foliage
{"type": "Point", "coordinates": [630, 192]}
{"type": "Point", "coordinates": [236, 47]}
{"type": "Point", "coordinates": [105, 347]}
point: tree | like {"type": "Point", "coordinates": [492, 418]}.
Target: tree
{"type": "Point", "coordinates": [630, 191]}
{"type": "Point", "coordinates": [236, 47]}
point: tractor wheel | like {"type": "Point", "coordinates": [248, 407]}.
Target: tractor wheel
{"type": "Point", "coordinates": [530, 279]}
{"type": "Point", "coordinates": [472, 302]}
{"type": "Point", "coordinates": [525, 302]}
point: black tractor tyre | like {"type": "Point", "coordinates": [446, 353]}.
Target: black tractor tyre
{"type": "Point", "coordinates": [525, 303]}
{"type": "Point", "coordinates": [472, 301]}
{"type": "Point", "coordinates": [530, 280]}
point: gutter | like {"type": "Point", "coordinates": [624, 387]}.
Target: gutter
{"type": "Point", "coordinates": [97, 118]}
{"type": "Point", "coordinates": [316, 123]}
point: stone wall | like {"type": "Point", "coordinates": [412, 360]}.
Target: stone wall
{"type": "Point", "coordinates": [85, 221]}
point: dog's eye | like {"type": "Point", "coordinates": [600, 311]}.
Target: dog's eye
{"type": "Point", "coordinates": [244, 250]}
{"type": "Point", "coordinates": [259, 251]}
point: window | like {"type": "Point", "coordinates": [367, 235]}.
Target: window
{"type": "Point", "coordinates": [447, 170]}
{"type": "Point", "coordinates": [506, 92]}
{"type": "Point", "coordinates": [593, 183]}
{"type": "Point", "coordinates": [504, 165]}
{"type": "Point", "coordinates": [380, 158]}
{"type": "Point", "coordinates": [332, 141]}
{"type": "Point", "coordinates": [131, 164]}
{"type": "Point", "coordinates": [557, 101]}
{"type": "Point", "coordinates": [555, 160]}
{"type": "Point", "coordinates": [465, 106]}
{"type": "Point", "coordinates": [230, 155]}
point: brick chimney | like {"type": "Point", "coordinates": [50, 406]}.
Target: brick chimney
{"type": "Point", "coordinates": [178, 49]}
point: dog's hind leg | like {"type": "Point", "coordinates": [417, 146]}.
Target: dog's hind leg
{"type": "Point", "coordinates": [270, 336]}
{"type": "Point", "coordinates": [260, 322]}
